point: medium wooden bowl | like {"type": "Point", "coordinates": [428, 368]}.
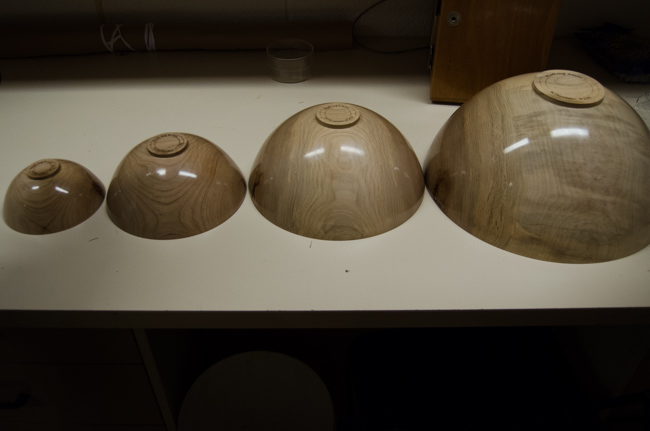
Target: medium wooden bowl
{"type": "Point", "coordinates": [51, 195]}
{"type": "Point", "coordinates": [174, 185]}
{"type": "Point", "coordinates": [552, 166]}
{"type": "Point", "coordinates": [336, 171]}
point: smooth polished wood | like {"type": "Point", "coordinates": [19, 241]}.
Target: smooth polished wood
{"type": "Point", "coordinates": [543, 178]}
{"type": "Point", "coordinates": [569, 87]}
{"type": "Point", "coordinates": [336, 171]}
{"type": "Point", "coordinates": [479, 42]}
{"type": "Point", "coordinates": [51, 195]}
{"type": "Point", "coordinates": [174, 185]}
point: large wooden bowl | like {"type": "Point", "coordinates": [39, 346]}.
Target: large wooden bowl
{"type": "Point", "coordinates": [552, 166]}
{"type": "Point", "coordinates": [51, 195]}
{"type": "Point", "coordinates": [336, 171]}
{"type": "Point", "coordinates": [174, 185]}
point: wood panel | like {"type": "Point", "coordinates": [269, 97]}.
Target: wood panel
{"type": "Point", "coordinates": [78, 394]}
{"type": "Point", "coordinates": [38, 345]}
{"type": "Point", "coordinates": [82, 427]}
{"type": "Point", "coordinates": [480, 42]}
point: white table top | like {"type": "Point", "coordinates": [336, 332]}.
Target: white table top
{"type": "Point", "coordinates": [248, 272]}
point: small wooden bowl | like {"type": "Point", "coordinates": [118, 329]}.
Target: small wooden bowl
{"type": "Point", "coordinates": [552, 166]}
{"type": "Point", "coordinates": [51, 195]}
{"type": "Point", "coordinates": [174, 185]}
{"type": "Point", "coordinates": [336, 171]}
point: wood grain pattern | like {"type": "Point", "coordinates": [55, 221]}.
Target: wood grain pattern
{"type": "Point", "coordinates": [69, 396]}
{"type": "Point", "coordinates": [336, 171]}
{"type": "Point", "coordinates": [51, 195]}
{"type": "Point", "coordinates": [174, 185]}
{"type": "Point", "coordinates": [491, 41]}
{"type": "Point", "coordinates": [542, 179]}
{"type": "Point", "coordinates": [569, 87]}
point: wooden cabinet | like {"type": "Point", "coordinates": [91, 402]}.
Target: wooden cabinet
{"type": "Point", "coordinates": [71, 379]}
{"type": "Point", "coordinates": [480, 42]}
{"type": "Point", "coordinates": [47, 345]}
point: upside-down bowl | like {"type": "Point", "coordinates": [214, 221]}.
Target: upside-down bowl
{"type": "Point", "coordinates": [174, 185]}
{"type": "Point", "coordinates": [549, 165]}
{"type": "Point", "coordinates": [51, 195]}
{"type": "Point", "coordinates": [336, 171]}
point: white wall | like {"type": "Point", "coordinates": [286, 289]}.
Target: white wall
{"type": "Point", "coordinates": [409, 18]}
{"type": "Point", "coordinates": [580, 14]}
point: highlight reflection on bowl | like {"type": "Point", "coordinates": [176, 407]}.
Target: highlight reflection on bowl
{"type": "Point", "coordinates": [174, 185]}
{"type": "Point", "coordinates": [51, 195]}
{"type": "Point", "coordinates": [552, 166]}
{"type": "Point", "coordinates": [336, 171]}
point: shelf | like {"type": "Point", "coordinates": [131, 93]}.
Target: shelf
{"type": "Point", "coordinates": [248, 272]}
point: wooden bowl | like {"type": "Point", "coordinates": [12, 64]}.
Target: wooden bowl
{"type": "Point", "coordinates": [51, 195]}
{"type": "Point", "coordinates": [336, 171]}
{"type": "Point", "coordinates": [174, 185]}
{"type": "Point", "coordinates": [552, 166]}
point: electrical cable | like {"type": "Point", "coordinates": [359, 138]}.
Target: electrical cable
{"type": "Point", "coordinates": [358, 42]}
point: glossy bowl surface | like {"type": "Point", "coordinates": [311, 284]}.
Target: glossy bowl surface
{"type": "Point", "coordinates": [174, 185]}
{"type": "Point", "coordinates": [51, 195]}
{"type": "Point", "coordinates": [549, 166]}
{"type": "Point", "coordinates": [336, 171]}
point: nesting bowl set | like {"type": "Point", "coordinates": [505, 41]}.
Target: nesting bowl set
{"type": "Point", "coordinates": [552, 166]}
